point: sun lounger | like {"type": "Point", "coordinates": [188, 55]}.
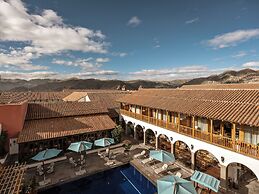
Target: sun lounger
{"type": "Point", "coordinates": [110, 163]}
{"type": "Point", "coordinates": [80, 172]}
{"type": "Point", "coordinates": [139, 154]}
{"type": "Point", "coordinates": [158, 165]}
{"type": "Point", "coordinates": [71, 161]}
{"type": "Point", "coordinates": [50, 170]}
{"type": "Point", "coordinates": [178, 174]}
{"type": "Point", "coordinates": [40, 172]}
{"type": "Point", "coordinates": [145, 161]}
{"type": "Point", "coordinates": [52, 164]}
{"type": "Point", "coordinates": [162, 169]}
{"type": "Point", "coordinates": [45, 182]}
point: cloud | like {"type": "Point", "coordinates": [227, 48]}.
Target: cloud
{"type": "Point", "coordinates": [240, 54]}
{"type": "Point", "coordinates": [41, 34]}
{"type": "Point", "coordinates": [232, 38]}
{"type": "Point", "coordinates": [192, 21]}
{"type": "Point", "coordinates": [120, 54]}
{"type": "Point", "coordinates": [102, 60]}
{"type": "Point", "coordinates": [156, 43]}
{"type": "Point", "coordinates": [102, 74]}
{"type": "Point", "coordinates": [186, 72]}
{"type": "Point", "coordinates": [134, 21]}
{"type": "Point", "coordinates": [85, 64]}
{"type": "Point", "coordinates": [251, 64]}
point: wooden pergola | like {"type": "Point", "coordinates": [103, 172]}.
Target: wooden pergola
{"type": "Point", "coordinates": [11, 178]}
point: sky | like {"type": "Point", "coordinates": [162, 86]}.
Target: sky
{"type": "Point", "coordinates": [121, 39]}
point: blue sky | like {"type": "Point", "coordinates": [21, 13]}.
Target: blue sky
{"type": "Point", "coordinates": [119, 39]}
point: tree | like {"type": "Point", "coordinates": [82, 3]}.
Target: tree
{"type": "Point", "coordinates": [116, 133]}
{"type": "Point", "coordinates": [3, 139]}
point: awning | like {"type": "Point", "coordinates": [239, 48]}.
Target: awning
{"type": "Point", "coordinates": [206, 180]}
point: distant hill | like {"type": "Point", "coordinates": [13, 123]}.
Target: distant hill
{"type": "Point", "coordinates": [242, 76]}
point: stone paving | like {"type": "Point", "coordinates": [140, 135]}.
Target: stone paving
{"type": "Point", "coordinates": [64, 172]}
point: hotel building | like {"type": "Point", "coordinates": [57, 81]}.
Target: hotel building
{"type": "Point", "coordinates": [213, 128]}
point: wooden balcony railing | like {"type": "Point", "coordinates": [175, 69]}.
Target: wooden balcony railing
{"type": "Point", "coordinates": [219, 140]}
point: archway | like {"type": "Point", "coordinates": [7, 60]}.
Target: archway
{"type": "Point", "coordinates": [164, 143]}
{"type": "Point", "coordinates": [130, 129]}
{"type": "Point", "coordinates": [207, 163]}
{"type": "Point", "coordinates": [139, 133]}
{"type": "Point", "coordinates": [150, 138]}
{"type": "Point", "coordinates": [239, 176]}
{"type": "Point", "coordinates": [182, 153]}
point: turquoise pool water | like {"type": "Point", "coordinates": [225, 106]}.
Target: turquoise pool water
{"type": "Point", "coordinates": [120, 180]}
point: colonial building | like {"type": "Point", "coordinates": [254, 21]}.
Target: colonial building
{"type": "Point", "coordinates": [39, 120]}
{"type": "Point", "coordinates": [213, 128]}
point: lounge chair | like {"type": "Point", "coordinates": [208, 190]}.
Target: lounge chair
{"type": "Point", "coordinates": [110, 163]}
{"type": "Point", "coordinates": [145, 161]}
{"type": "Point", "coordinates": [178, 174]}
{"type": "Point", "coordinates": [112, 155]}
{"type": "Point", "coordinates": [52, 164]}
{"type": "Point", "coordinates": [40, 172]}
{"type": "Point", "coordinates": [50, 170]}
{"type": "Point", "coordinates": [102, 155]}
{"type": "Point", "coordinates": [158, 165]}
{"type": "Point", "coordinates": [139, 154]}
{"type": "Point", "coordinates": [162, 169]}
{"type": "Point", "coordinates": [71, 161]}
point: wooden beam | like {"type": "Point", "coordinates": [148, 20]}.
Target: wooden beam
{"type": "Point", "coordinates": [241, 133]}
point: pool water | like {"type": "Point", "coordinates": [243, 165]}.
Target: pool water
{"type": "Point", "coordinates": [120, 180]}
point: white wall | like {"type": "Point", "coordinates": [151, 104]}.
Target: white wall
{"type": "Point", "coordinates": [218, 152]}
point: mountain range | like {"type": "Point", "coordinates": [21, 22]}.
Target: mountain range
{"type": "Point", "coordinates": [242, 76]}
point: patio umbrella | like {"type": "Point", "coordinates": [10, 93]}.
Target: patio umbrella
{"type": "Point", "coordinates": [174, 185]}
{"type": "Point", "coordinates": [104, 142]}
{"type": "Point", "coordinates": [45, 155]}
{"type": "Point", "coordinates": [80, 147]}
{"type": "Point", "coordinates": [162, 156]}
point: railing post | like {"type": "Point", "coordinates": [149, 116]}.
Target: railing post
{"type": "Point", "coordinates": [193, 125]}
{"type": "Point", "coordinates": [166, 124]}
{"type": "Point", "coordinates": [233, 135]}
{"type": "Point", "coordinates": [148, 114]}
{"type": "Point", "coordinates": [211, 129]}
{"type": "Point", "coordinates": [178, 123]}
{"type": "Point", "coordinates": [156, 116]}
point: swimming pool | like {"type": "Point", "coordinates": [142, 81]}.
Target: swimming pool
{"type": "Point", "coordinates": [120, 180]}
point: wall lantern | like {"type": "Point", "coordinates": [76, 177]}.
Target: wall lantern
{"type": "Point", "coordinates": [192, 147]}
{"type": "Point", "coordinates": [156, 132]}
{"type": "Point", "coordinates": [143, 127]}
{"type": "Point", "coordinates": [222, 159]}
{"type": "Point", "coordinates": [171, 138]}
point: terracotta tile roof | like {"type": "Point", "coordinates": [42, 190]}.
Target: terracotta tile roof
{"type": "Point", "coordinates": [222, 86]}
{"type": "Point", "coordinates": [233, 105]}
{"type": "Point", "coordinates": [35, 130]}
{"type": "Point", "coordinates": [63, 109]}
{"type": "Point", "coordinates": [75, 96]}
{"type": "Point", "coordinates": [15, 97]}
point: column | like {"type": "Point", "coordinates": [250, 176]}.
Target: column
{"type": "Point", "coordinates": [157, 142]}
{"type": "Point", "coordinates": [193, 125]}
{"type": "Point", "coordinates": [167, 120]}
{"type": "Point", "coordinates": [241, 133]}
{"type": "Point", "coordinates": [222, 128]}
{"type": "Point", "coordinates": [144, 137]}
{"type": "Point", "coordinates": [178, 122]}
{"type": "Point", "coordinates": [223, 176]}
{"type": "Point", "coordinates": [172, 147]}
{"type": "Point", "coordinates": [233, 135]}
{"type": "Point", "coordinates": [211, 129]}
{"type": "Point", "coordinates": [135, 133]}
{"type": "Point", "coordinates": [192, 160]}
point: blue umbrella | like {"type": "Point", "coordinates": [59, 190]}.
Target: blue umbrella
{"type": "Point", "coordinates": [46, 154]}
{"type": "Point", "coordinates": [174, 185]}
{"type": "Point", "coordinates": [80, 146]}
{"type": "Point", "coordinates": [162, 155]}
{"type": "Point", "coordinates": [103, 142]}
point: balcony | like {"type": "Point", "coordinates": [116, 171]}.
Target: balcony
{"type": "Point", "coordinates": [218, 140]}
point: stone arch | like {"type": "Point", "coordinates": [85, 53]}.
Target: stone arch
{"type": "Point", "coordinates": [182, 153]}
{"type": "Point", "coordinates": [239, 173]}
{"type": "Point", "coordinates": [139, 130]}
{"type": "Point", "coordinates": [206, 162]}
{"type": "Point", "coordinates": [130, 129]}
{"type": "Point", "coordinates": [150, 137]}
{"type": "Point", "coordinates": [164, 142]}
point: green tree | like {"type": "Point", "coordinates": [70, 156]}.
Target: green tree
{"type": "Point", "coordinates": [3, 139]}
{"type": "Point", "coordinates": [117, 133]}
